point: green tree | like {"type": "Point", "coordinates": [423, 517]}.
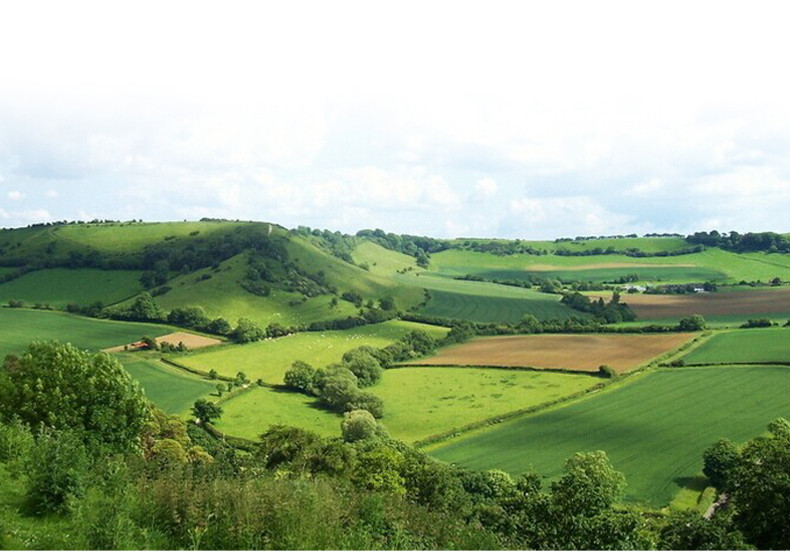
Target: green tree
{"type": "Point", "coordinates": [62, 387]}
{"type": "Point", "coordinates": [57, 471]}
{"type": "Point", "coordinates": [358, 425]}
{"type": "Point", "coordinates": [693, 323]}
{"type": "Point", "coordinates": [366, 401]}
{"type": "Point", "coordinates": [364, 366]}
{"type": "Point", "coordinates": [718, 462]}
{"type": "Point", "coordinates": [300, 376]}
{"type": "Point", "coordinates": [690, 531]}
{"type": "Point", "coordinates": [206, 411]}
{"type": "Point", "coordinates": [590, 484]}
{"type": "Point", "coordinates": [420, 342]}
{"type": "Point", "coordinates": [145, 308]}
{"type": "Point", "coordinates": [247, 331]}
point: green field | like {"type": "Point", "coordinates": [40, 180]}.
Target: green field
{"type": "Point", "coordinates": [744, 346]}
{"type": "Point", "coordinates": [171, 389]}
{"type": "Point", "coordinates": [715, 263]}
{"type": "Point", "coordinates": [654, 428]}
{"type": "Point", "coordinates": [381, 260]}
{"type": "Point", "coordinates": [644, 273]}
{"type": "Point", "coordinates": [487, 302]}
{"type": "Point", "coordinates": [21, 326]}
{"type": "Point", "coordinates": [421, 402]}
{"type": "Point", "coordinates": [269, 359]}
{"type": "Point", "coordinates": [251, 413]}
{"type": "Point", "coordinates": [61, 286]}
{"type": "Point", "coordinates": [648, 245]}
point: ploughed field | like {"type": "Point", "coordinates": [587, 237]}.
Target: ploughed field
{"type": "Point", "coordinates": [758, 303]}
{"type": "Point", "coordinates": [584, 353]}
{"type": "Point", "coordinates": [770, 345]}
{"type": "Point", "coordinates": [654, 428]}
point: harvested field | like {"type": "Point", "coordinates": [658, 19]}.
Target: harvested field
{"type": "Point", "coordinates": [584, 353]}
{"type": "Point", "coordinates": [752, 302]}
{"type": "Point", "coordinates": [192, 341]}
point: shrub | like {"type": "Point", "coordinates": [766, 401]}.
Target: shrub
{"type": "Point", "coordinates": [300, 376]}
{"type": "Point", "coordinates": [247, 331]}
{"type": "Point", "coordinates": [606, 371]}
{"type": "Point", "coordinates": [57, 471]}
{"type": "Point", "coordinates": [16, 303]}
{"type": "Point", "coordinates": [364, 366]}
{"type": "Point", "coordinates": [218, 326]}
{"type": "Point", "coordinates": [693, 323]}
{"type": "Point", "coordinates": [757, 323]}
{"type": "Point", "coordinates": [366, 401]}
{"type": "Point", "coordinates": [358, 425]}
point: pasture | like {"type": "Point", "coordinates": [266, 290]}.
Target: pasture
{"type": "Point", "coordinates": [422, 402]}
{"type": "Point", "coordinates": [743, 346]}
{"type": "Point", "coordinates": [714, 264]}
{"type": "Point", "coordinates": [252, 412]}
{"type": "Point", "coordinates": [654, 428]}
{"type": "Point", "coordinates": [722, 305]}
{"type": "Point", "coordinates": [381, 260]}
{"type": "Point", "coordinates": [21, 326]}
{"type": "Point", "coordinates": [60, 286]}
{"type": "Point", "coordinates": [577, 352]}
{"type": "Point", "coordinates": [171, 389]}
{"type": "Point", "coordinates": [270, 358]}
{"type": "Point", "coordinates": [487, 302]}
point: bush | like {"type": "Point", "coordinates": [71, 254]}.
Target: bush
{"type": "Point", "coordinates": [367, 401]}
{"type": "Point", "coordinates": [606, 371]}
{"type": "Point", "coordinates": [757, 323]}
{"type": "Point", "coordinates": [358, 425]}
{"type": "Point", "coordinates": [218, 326]}
{"type": "Point", "coordinates": [247, 331]}
{"type": "Point", "coordinates": [57, 471]}
{"type": "Point", "coordinates": [693, 323]}
{"type": "Point", "coordinates": [16, 303]}
{"type": "Point", "coordinates": [364, 366]}
{"type": "Point", "coordinates": [300, 376]}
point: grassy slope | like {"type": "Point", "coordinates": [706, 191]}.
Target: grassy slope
{"type": "Point", "coordinates": [486, 302]}
{"type": "Point", "coordinates": [222, 295]}
{"type": "Point", "coordinates": [654, 429]}
{"type": "Point", "coordinates": [380, 259]}
{"type": "Point", "coordinates": [421, 402]}
{"type": "Point", "coordinates": [348, 277]}
{"type": "Point", "coordinates": [251, 413]}
{"type": "Point", "coordinates": [172, 390]}
{"type": "Point", "coordinates": [60, 286]}
{"type": "Point", "coordinates": [749, 345]}
{"type": "Point", "coordinates": [269, 359]}
{"type": "Point", "coordinates": [21, 326]}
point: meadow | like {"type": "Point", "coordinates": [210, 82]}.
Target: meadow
{"type": "Point", "coordinates": [61, 286]}
{"type": "Point", "coordinates": [21, 326]}
{"type": "Point", "coordinates": [584, 353]}
{"type": "Point", "coordinates": [171, 389]}
{"type": "Point", "coordinates": [423, 402]}
{"type": "Point", "coordinates": [487, 302]}
{"type": "Point", "coordinates": [381, 260]}
{"type": "Point", "coordinates": [743, 346]}
{"type": "Point", "coordinates": [716, 264]}
{"type": "Point", "coordinates": [250, 413]}
{"type": "Point", "coordinates": [269, 359]}
{"type": "Point", "coordinates": [653, 428]}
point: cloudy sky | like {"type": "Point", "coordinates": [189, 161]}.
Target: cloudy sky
{"type": "Point", "coordinates": [508, 119]}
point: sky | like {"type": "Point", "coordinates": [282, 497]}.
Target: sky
{"type": "Point", "coordinates": [450, 119]}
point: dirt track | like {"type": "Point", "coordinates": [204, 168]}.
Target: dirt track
{"type": "Point", "coordinates": [584, 353]}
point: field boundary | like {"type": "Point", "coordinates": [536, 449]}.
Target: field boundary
{"type": "Point", "coordinates": [493, 367]}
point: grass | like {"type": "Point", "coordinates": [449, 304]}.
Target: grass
{"type": "Point", "coordinates": [744, 346]}
{"type": "Point", "coordinates": [171, 389]}
{"type": "Point", "coordinates": [222, 295]}
{"type": "Point", "coordinates": [60, 286]}
{"type": "Point", "coordinates": [487, 302]}
{"type": "Point", "coordinates": [422, 402]}
{"type": "Point", "coordinates": [727, 266]}
{"type": "Point", "coordinates": [252, 412]}
{"type": "Point", "coordinates": [654, 428]}
{"type": "Point", "coordinates": [21, 326]}
{"type": "Point", "coordinates": [381, 260]}
{"type": "Point", "coordinates": [269, 359]}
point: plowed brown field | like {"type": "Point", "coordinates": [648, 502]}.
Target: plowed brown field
{"type": "Point", "coordinates": [192, 341]}
{"type": "Point", "coordinates": [656, 307]}
{"type": "Point", "coordinates": [583, 353]}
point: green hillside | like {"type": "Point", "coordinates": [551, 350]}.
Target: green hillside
{"type": "Point", "coordinates": [744, 346]}
{"type": "Point", "coordinates": [381, 260]}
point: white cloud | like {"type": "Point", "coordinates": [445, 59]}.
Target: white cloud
{"type": "Point", "coordinates": [15, 195]}
{"type": "Point", "coordinates": [51, 194]}
{"type": "Point", "coordinates": [487, 187]}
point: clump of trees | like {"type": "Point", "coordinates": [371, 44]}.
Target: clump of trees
{"type": "Point", "coordinates": [693, 323]}
{"type": "Point", "coordinates": [611, 312]}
